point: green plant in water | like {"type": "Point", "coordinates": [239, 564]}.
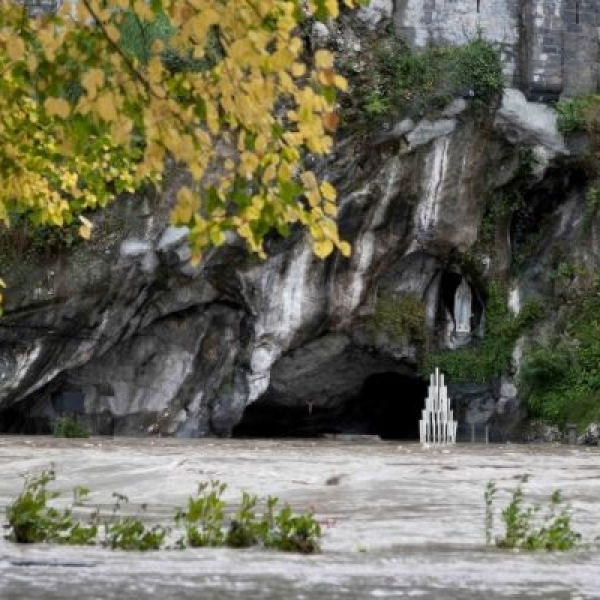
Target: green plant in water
{"type": "Point", "coordinates": [294, 533]}
{"type": "Point", "coordinates": [531, 527]}
{"type": "Point", "coordinates": [68, 427]}
{"type": "Point", "coordinates": [203, 518]}
{"type": "Point", "coordinates": [131, 533]}
{"type": "Point", "coordinates": [490, 492]}
{"type": "Point", "coordinates": [32, 520]}
{"type": "Point", "coordinates": [244, 529]}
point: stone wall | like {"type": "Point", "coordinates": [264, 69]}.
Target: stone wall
{"type": "Point", "coordinates": [550, 47]}
{"type": "Point", "coordinates": [429, 22]}
{"type": "Point", "coordinates": [580, 46]}
{"type": "Point", "coordinates": [37, 7]}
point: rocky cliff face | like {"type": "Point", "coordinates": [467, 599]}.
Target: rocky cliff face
{"type": "Point", "coordinates": [126, 332]}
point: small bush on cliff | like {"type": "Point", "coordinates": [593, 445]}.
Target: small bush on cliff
{"type": "Point", "coordinates": [400, 317]}
{"type": "Point", "coordinates": [526, 528]}
{"type": "Point", "coordinates": [574, 114]}
{"type": "Point", "coordinates": [399, 81]}
{"type": "Point", "coordinates": [560, 379]}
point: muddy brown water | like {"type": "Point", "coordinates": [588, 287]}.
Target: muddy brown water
{"type": "Point", "coordinates": [400, 521]}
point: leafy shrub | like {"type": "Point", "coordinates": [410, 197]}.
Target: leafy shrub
{"type": "Point", "coordinates": [526, 528]}
{"type": "Point", "coordinates": [31, 520]}
{"type": "Point", "coordinates": [68, 427]}
{"type": "Point", "coordinates": [560, 380]}
{"type": "Point", "coordinates": [399, 81]}
{"type": "Point", "coordinates": [130, 533]}
{"type": "Point", "coordinates": [400, 317]}
{"type": "Point", "coordinates": [204, 520]}
{"type": "Point", "coordinates": [204, 516]}
{"type": "Point", "coordinates": [293, 533]}
{"type": "Point", "coordinates": [244, 529]}
{"type": "Point", "coordinates": [574, 113]}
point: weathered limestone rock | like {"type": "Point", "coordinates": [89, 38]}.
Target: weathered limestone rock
{"type": "Point", "coordinates": [529, 123]}
{"type": "Point", "coordinates": [375, 12]}
{"type": "Point", "coordinates": [426, 131]}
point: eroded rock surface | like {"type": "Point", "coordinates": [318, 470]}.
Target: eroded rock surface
{"type": "Point", "coordinates": [155, 345]}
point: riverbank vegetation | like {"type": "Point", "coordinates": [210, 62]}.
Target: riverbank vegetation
{"type": "Point", "coordinates": [206, 521]}
{"type": "Point", "coordinates": [530, 527]}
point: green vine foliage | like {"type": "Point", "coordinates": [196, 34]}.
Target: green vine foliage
{"type": "Point", "coordinates": [573, 114]}
{"type": "Point", "coordinates": [401, 317]}
{"type": "Point", "coordinates": [559, 380]}
{"type": "Point", "coordinates": [489, 357]}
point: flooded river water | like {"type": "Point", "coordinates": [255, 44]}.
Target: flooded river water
{"type": "Point", "coordinates": [400, 521]}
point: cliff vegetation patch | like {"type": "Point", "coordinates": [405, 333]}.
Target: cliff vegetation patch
{"type": "Point", "coordinates": [489, 357]}
{"type": "Point", "coordinates": [400, 317]}
{"type": "Point", "coordinates": [397, 81]}
{"type": "Point", "coordinates": [559, 378]}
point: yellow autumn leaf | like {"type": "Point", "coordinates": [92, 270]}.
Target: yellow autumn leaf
{"type": "Point", "coordinates": [298, 69]}
{"type": "Point", "coordinates": [32, 63]}
{"type": "Point", "coordinates": [91, 81]}
{"type": "Point", "coordinates": [330, 209]}
{"type": "Point", "coordinates": [345, 248]}
{"type": "Point", "coordinates": [217, 237]}
{"type": "Point", "coordinates": [323, 248]}
{"type": "Point", "coordinates": [85, 229]}
{"type": "Point", "coordinates": [332, 8]}
{"type": "Point", "coordinates": [105, 106]}
{"type": "Point", "coordinates": [309, 180]}
{"type": "Point", "coordinates": [340, 82]}
{"type": "Point", "coordinates": [58, 107]}
{"type": "Point", "coordinates": [15, 48]}
{"type": "Point", "coordinates": [328, 191]}
{"type": "Point", "coordinates": [155, 69]}
{"type": "Point", "coordinates": [323, 59]}
{"type": "Point", "coordinates": [112, 32]}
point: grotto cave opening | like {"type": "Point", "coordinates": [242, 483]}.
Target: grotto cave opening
{"type": "Point", "coordinates": [391, 404]}
{"type": "Point", "coordinates": [388, 405]}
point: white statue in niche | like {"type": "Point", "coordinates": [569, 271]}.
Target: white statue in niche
{"type": "Point", "coordinates": [462, 308]}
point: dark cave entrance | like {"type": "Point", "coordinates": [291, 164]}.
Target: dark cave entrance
{"type": "Point", "coordinates": [389, 405]}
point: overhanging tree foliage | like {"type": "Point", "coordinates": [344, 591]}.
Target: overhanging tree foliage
{"type": "Point", "coordinates": [224, 88]}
